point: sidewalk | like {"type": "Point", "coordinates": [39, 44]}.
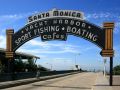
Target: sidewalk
{"type": "Point", "coordinates": [8, 84]}
{"type": "Point", "coordinates": [102, 83]}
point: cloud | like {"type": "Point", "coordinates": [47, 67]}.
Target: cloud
{"type": "Point", "coordinates": [15, 16]}
{"type": "Point", "coordinates": [59, 58]}
{"type": "Point", "coordinates": [37, 47]}
{"type": "Point", "coordinates": [12, 18]}
{"type": "Point", "coordinates": [97, 15]}
{"type": "Point", "coordinates": [49, 46]}
{"type": "Point", "coordinates": [8, 19]}
{"type": "Point", "coordinates": [59, 63]}
{"type": "Point", "coordinates": [117, 26]}
{"type": "Point", "coordinates": [42, 51]}
{"type": "Point", "coordinates": [105, 17]}
{"type": "Point", "coordinates": [102, 15]}
{"type": "Point", "coordinates": [117, 51]}
{"type": "Point", "coordinates": [2, 41]}
{"type": "Point", "coordinates": [44, 45]}
{"type": "Point", "coordinates": [2, 31]}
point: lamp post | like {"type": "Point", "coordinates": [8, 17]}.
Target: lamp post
{"type": "Point", "coordinates": [50, 66]}
{"type": "Point", "coordinates": [76, 60]}
{"type": "Point", "coordinates": [105, 60]}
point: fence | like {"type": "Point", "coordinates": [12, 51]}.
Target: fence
{"type": "Point", "coordinates": [25, 75]}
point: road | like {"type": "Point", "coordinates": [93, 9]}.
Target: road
{"type": "Point", "coordinates": [80, 81]}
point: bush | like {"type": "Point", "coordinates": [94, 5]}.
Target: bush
{"type": "Point", "coordinates": [116, 70]}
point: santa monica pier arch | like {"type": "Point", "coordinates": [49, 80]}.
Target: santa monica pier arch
{"type": "Point", "coordinates": [57, 25]}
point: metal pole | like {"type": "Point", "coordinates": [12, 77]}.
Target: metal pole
{"type": "Point", "coordinates": [9, 66]}
{"type": "Point", "coordinates": [111, 71]}
{"type": "Point", "coordinates": [104, 67]}
{"type": "Point", "coordinates": [50, 66]}
{"type": "Point", "coordinates": [104, 70]}
{"type": "Point", "coordinates": [76, 59]}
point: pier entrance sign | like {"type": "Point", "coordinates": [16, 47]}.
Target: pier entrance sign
{"type": "Point", "coordinates": [57, 25]}
{"type": "Point", "coordinates": [59, 29]}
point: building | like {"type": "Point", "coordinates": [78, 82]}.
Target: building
{"type": "Point", "coordinates": [19, 56]}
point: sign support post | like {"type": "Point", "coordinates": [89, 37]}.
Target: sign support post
{"type": "Point", "coordinates": [9, 51]}
{"type": "Point", "coordinates": [108, 47]}
{"type": "Point", "coordinates": [111, 71]}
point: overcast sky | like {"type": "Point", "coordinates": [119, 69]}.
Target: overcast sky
{"type": "Point", "coordinates": [62, 54]}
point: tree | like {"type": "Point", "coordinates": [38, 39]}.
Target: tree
{"type": "Point", "coordinates": [19, 66]}
{"type": "Point", "coordinates": [0, 67]}
{"type": "Point", "coordinates": [116, 70]}
{"type": "Point", "coordinates": [31, 66]}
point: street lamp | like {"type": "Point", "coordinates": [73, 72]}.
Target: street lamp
{"type": "Point", "coordinates": [76, 59]}
{"type": "Point", "coordinates": [50, 65]}
{"type": "Point", "coordinates": [105, 60]}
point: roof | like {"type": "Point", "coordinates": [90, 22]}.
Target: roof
{"type": "Point", "coordinates": [2, 50]}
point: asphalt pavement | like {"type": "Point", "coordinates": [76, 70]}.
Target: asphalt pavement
{"type": "Point", "coordinates": [80, 81]}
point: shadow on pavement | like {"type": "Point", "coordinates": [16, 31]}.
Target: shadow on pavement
{"type": "Point", "coordinates": [63, 86]}
{"type": "Point", "coordinates": [116, 85]}
{"type": "Point", "coordinates": [101, 85]}
{"type": "Point", "coordinates": [106, 85]}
